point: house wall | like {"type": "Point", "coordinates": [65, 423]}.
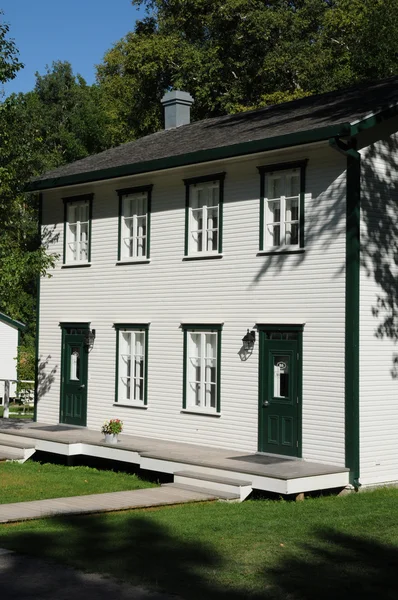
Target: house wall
{"type": "Point", "coordinates": [8, 354]}
{"type": "Point", "coordinates": [239, 290]}
{"type": "Point", "coordinates": [379, 307]}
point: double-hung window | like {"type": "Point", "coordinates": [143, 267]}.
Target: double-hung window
{"type": "Point", "coordinates": [77, 229]}
{"type": "Point", "coordinates": [204, 215]}
{"type": "Point", "coordinates": [282, 206]}
{"type": "Point", "coordinates": [132, 364]}
{"type": "Point", "coordinates": [202, 352]}
{"type": "Point", "coordinates": [134, 223]}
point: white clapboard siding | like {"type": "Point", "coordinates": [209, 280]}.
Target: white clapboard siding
{"type": "Point", "coordinates": [239, 290]}
{"type": "Point", "coordinates": [8, 356]}
{"type": "Point", "coordinates": [378, 324]}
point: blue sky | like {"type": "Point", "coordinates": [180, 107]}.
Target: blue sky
{"type": "Point", "coordinates": [79, 31]}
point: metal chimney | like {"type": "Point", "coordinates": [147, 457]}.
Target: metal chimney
{"type": "Point", "coordinates": [177, 108]}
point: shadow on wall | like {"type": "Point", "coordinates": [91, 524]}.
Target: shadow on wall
{"type": "Point", "coordinates": [44, 379]}
{"type": "Point", "coordinates": [379, 237]}
{"type": "Point", "coordinates": [145, 552]}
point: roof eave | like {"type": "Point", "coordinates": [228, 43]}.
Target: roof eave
{"type": "Point", "coordinates": [244, 148]}
{"type": "Point", "coordinates": [12, 322]}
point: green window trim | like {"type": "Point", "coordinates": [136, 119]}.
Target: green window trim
{"type": "Point", "coordinates": [80, 198]}
{"type": "Point", "coordinates": [135, 190]}
{"type": "Point", "coordinates": [201, 327]}
{"type": "Point", "coordinates": [286, 166]}
{"type": "Point", "coordinates": [132, 327]}
{"type": "Point", "coordinates": [220, 177]}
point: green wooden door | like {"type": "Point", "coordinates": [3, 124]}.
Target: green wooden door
{"type": "Point", "coordinates": [74, 378]}
{"type": "Point", "coordinates": [279, 397]}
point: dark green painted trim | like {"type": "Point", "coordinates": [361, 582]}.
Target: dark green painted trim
{"type": "Point", "coordinates": [283, 328]}
{"type": "Point", "coordinates": [80, 198]}
{"type": "Point", "coordinates": [264, 170]}
{"type": "Point", "coordinates": [276, 252]}
{"type": "Point", "coordinates": [131, 327]}
{"type": "Point", "coordinates": [37, 356]}
{"type": "Point", "coordinates": [352, 295]}
{"type": "Point", "coordinates": [78, 266]}
{"type": "Point", "coordinates": [212, 327]}
{"type": "Point", "coordinates": [374, 120]}
{"type": "Point", "coordinates": [203, 179]}
{"type": "Point", "coordinates": [200, 156]}
{"type": "Point", "coordinates": [8, 321]}
{"type": "Point", "coordinates": [74, 324]}
{"type": "Point", "coordinates": [62, 374]}
{"type": "Point", "coordinates": [283, 166]}
{"type": "Point", "coordinates": [135, 190]}
{"type": "Point", "coordinates": [263, 328]}
{"type": "Point", "coordinates": [204, 257]}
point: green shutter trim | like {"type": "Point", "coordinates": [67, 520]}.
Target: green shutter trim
{"type": "Point", "coordinates": [185, 366]}
{"type": "Point", "coordinates": [186, 236]}
{"type": "Point", "coordinates": [119, 231]}
{"type": "Point", "coordinates": [37, 357]}
{"type": "Point", "coordinates": [219, 370]}
{"type": "Point", "coordinates": [200, 156]}
{"type": "Point", "coordinates": [353, 197]}
{"type": "Point", "coordinates": [263, 170]}
{"type": "Point", "coordinates": [117, 368]}
{"type": "Point", "coordinates": [90, 225]}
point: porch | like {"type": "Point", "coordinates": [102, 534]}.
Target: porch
{"type": "Point", "coordinates": [191, 466]}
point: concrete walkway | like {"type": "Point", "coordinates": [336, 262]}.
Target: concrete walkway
{"type": "Point", "coordinates": [96, 503]}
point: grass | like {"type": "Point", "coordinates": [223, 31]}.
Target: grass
{"type": "Point", "coordinates": [345, 547]}
{"type": "Point", "coordinates": [17, 412]}
{"type": "Point", "coordinates": [36, 481]}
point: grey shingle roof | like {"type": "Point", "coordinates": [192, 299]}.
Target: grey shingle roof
{"type": "Point", "coordinates": [317, 114]}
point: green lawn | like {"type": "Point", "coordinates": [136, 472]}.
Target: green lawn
{"type": "Point", "coordinates": [17, 412]}
{"type": "Point", "coordinates": [320, 549]}
{"type": "Point", "coordinates": [36, 481]}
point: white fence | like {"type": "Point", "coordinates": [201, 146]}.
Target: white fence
{"type": "Point", "coordinates": [26, 396]}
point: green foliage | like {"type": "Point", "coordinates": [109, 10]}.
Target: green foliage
{"type": "Point", "coordinates": [237, 54]}
{"type": "Point", "coordinates": [9, 62]}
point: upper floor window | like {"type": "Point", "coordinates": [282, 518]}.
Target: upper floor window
{"type": "Point", "coordinates": [203, 219]}
{"type": "Point", "coordinates": [282, 206]}
{"type": "Point", "coordinates": [134, 223]}
{"type": "Point", "coordinates": [77, 229]}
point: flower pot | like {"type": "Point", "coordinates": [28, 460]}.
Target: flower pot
{"type": "Point", "coordinates": [110, 438]}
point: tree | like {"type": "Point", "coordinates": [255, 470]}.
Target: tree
{"type": "Point", "coordinates": [239, 54]}
{"type": "Point", "coordinates": [9, 62]}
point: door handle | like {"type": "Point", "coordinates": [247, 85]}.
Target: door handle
{"type": "Point", "coordinates": [81, 387]}
{"type": "Point", "coordinates": [265, 403]}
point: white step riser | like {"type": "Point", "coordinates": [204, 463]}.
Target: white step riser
{"type": "Point", "coordinates": [21, 454]}
{"type": "Point", "coordinates": [242, 491]}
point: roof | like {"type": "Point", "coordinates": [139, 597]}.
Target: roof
{"type": "Point", "coordinates": [12, 322]}
{"type": "Point", "coordinates": [315, 118]}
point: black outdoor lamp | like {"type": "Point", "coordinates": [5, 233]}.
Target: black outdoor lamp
{"type": "Point", "coordinates": [89, 338]}
{"type": "Point", "coordinates": [248, 340]}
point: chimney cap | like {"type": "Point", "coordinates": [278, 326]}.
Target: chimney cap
{"type": "Point", "coordinates": [177, 97]}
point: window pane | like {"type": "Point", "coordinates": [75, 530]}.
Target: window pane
{"type": "Point", "coordinates": [134, 226]}
{"type": "Point", "coordinates": [281, 376]}
{"type": "Point", "coordinates": [75, 364]}
{"type": "Point", "coordinates": [202, 370]}
{"type": "Point", "coordinates": [274, 187]}
{"type": "Point", "coordinates": [293, 185]}
{"type": "Point", "coordinates": [204, 217]}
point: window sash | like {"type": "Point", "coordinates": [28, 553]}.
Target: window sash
{"type": "Point", "coordinates": [204, 218]}
{"type": "Point", "coordinates": [282, 205]}
{"type": "Point", "coordinates": [132, 367]}
{"type": "Point", "coordinates": [134, 226]}
{"type": "Point", "coordinates": [202, 370]}
{"type": "Point", "coordinates": [77, 231]}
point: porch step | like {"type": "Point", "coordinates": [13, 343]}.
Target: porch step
{"type": "Point", "coordinates": [217, 484]}
{"type": "Point", "coordinates": [11, 450]}
{"type": "Point", "coordinates": [207, 491]}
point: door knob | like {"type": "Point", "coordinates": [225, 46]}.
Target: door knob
{"type": "Point", "coordinates": [81, 387]}
{"type": "Point", "coordinates": [265, 403]}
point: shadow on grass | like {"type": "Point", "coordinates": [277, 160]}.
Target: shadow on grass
{"type": "Point", "coordinates": [143, 552]}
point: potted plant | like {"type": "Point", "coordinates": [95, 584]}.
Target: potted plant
{"type": "Point", "coordinates": [111, 430]}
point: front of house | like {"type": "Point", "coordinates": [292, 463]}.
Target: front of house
{"type": "Point", "coordinates": [169, 261]}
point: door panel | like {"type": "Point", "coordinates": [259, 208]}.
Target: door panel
{"type": "Point", "coordinates": [280, 366]}
{"type": "Point", "coordinates": [74, 378]}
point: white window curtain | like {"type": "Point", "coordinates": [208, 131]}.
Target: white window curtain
{"type": "Point", "coordinates": [134, 222]}
{"type": "Point", "coordinates": [202, 371]}
{"type": "Point", "coordinates": [77, 232]}
{"type": "Point", "coordinates": [204, 217]}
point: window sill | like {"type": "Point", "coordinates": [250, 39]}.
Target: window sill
{"type": "Point", "coordinates": [75, 266]}
{"type": "Point", "coordinates": [192, 411]}
{"type": "Point", "coordinates": [202, 256]}
{"type": "Point", "coordinates": [270, 251]}
{"type": "Point", "coordinates": [134, 261]}
{"type": "Point", "coordinates": [141, 406]}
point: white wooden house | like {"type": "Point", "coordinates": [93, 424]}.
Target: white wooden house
{"type": "Point", "coordinates": [9, 341]}
{"type": "Point", "coordinates": [280, 223]}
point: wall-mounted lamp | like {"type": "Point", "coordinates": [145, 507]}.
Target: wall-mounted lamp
{"type": "Point", "coordinates": [89, 338]}
{"type": "Point", "coordinates": [248, 340]}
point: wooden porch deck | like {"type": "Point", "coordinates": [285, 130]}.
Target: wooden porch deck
{"type": "Point", "coordinates": [268, 473]}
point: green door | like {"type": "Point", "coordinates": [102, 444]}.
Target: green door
{"type": "Point", "coordinates": [74, 377]}
{"type": "Point", "coordinates": [279, 406]}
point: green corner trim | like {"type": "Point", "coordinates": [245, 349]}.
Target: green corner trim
{"type": "Point", "coordinates": [352, 294]}
{"type": "Point", "coordinates": [200, 156]}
